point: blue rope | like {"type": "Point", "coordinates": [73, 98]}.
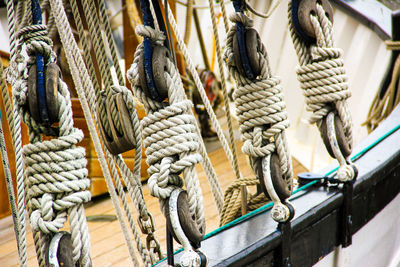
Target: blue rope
{"type": "Point", "coordinates": [40, 83]}
{"type": "Point", "coordinates": [270, 204]}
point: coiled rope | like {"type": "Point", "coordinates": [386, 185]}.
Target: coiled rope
{"type": "Point", "coordinates": [261, 110]}
{"type": "Point", "coordinates": [55, 170]}
{"type": "Point", "coordinates": [322, 77]}
{"type": "Point", "coordinates": [170, 135]}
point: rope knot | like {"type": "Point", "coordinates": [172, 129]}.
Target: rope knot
{"type": "Point", "coordinates": [45, 219]}
{"type": "Point", "coordinates": [154, 35]}
{"type": "Point", "coordinates": [241, 18]}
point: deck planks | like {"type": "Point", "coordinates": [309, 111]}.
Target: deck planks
{"type": "Point", "coordinates": [107, 241]}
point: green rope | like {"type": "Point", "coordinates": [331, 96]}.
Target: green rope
{"type": "Point", "coordinates": [302, 188]}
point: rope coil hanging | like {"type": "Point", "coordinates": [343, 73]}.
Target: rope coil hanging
{"type": "Point", "coordinates": [55, 170]}
{"type": "Point", "coordinates": [259, 101]}
{"type": "Point", "coordinates": [324, 82]}
{"type": "Point", "coordinates": [169, 129]}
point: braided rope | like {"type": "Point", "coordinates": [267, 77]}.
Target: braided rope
{"type": "Point", "coordinates": [260, 108]}
{"type": "Point", "coordinates": [321, 73]}
{"type": "Point", "coordinates": [170, 135]}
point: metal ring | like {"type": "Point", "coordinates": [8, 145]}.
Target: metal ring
{"type": "Point", "coordinates": [344, 146]}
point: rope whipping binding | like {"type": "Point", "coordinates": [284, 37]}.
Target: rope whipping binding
{"type": "Point", "coordinates": [55, 170]}
{"type": "Point", "coordinates": [170, 131]}
{"type": "Point", "coordinates": [14, 121]}
{"type": "Point", "coordinates": [260, 108]}
{"type": "Point", "coordinates": [81, 77]}
{"type": "Point", "coordinates": [324, 82]}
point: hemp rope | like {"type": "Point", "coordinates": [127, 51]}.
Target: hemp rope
{"type": "Point", "coordinates": [381, 107]}
{"type": "Point", "coordinates": [224, 90]}
{"type": "Point", "coordinates": [14, 120]}
{"type": "Point", "coordinates": [134, 188]}
{"type": "Point", "coordinates": [83, 82]}
{"type": "Point", "coordinates": [170, 135]}
{"type": "Point", "coordinates": [205, 100]}
{"type": "Point", "coordinates": [261, 111]}
{"type": "Point", "coordinates": [322, 76]}
{"type": "Point", "coordinates": [55, 169]}
{"type": "Point", "coordinates": [6, 165]}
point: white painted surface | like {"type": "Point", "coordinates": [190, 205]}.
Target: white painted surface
{"type": "Point", "coordinates": [377, 244]}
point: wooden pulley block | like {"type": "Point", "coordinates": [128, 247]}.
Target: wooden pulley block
{"type": "Point", "coordinates": [187, 223]}
{"type": "Point", "coordinates": [344, 146]}
{"type": "Point", "coordinates": [119, 142]}
{"type": "Point", "coordinates": [307, 8]}
{"type": "Point", "coordinates": [251, 52]}
{"type": "Point", "coordinates": [154, 84]}
{"type": "Point", "coordinates": [52, 75]}
{"type": "Point", "coordinates": [60, 250]}
{"type": "Point", "coordinates": [281, 187]}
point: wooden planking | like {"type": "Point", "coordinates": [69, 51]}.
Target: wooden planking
{"type": "Point", "coordinates": [108, 246]}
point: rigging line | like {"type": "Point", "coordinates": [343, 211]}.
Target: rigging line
{"type": "Point", "coordinates": [86, 95]}
{"type": "Point", "coordinates": [199, 6]}
{"type": "Point", "coordinates": [302, 188]}
{"type": "Point", "coordinates": [171, 42]}
{"type": "Point", "coordinates": [8, 176]}
{"type": "Point", "coordinates": [271, 8]}
{"type": "Point", "coordinates": [15, 129]}
{"type": "Point", "coordinates": [224, 90]}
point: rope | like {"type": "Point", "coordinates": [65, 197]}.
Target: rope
{"type": "Point", "coordinates": [381, 107]}
{"type": "Point", "coordinates": [56, 174]}
{"type": "Point", "coordinates": [170, 136]}
{"type": "Point", "coordinates": [206, 163]}
{"type": "Point", "coordinates": [260, 108]}
{"type": "Point", "coordinates": [132, 181]}
{"type": "Point", "coordinates": [323, 79]}
{"type": "Point", "coordinates": [321, 73]}
{"type": "Point", "coordinates": [15, 129]}
{"type": "Point", "coordinates": [224, 90]}
{"type": "Point", "coordinates": [78, 68]}
{"type": "Point", "coordinates": [9, 183]}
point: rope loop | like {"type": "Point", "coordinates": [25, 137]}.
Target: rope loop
{"type": "Point", "coordinates": [156, 36]}
{"type": "Point", "coordinates": [321, 73]}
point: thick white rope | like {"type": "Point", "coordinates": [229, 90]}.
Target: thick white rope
{"type": "Point", "coordinates": [259, 104]}
{"type": "Point", "coordinates": [322, 76]}
{"type": "Point", "coordinates": [201, 90]}
{"type": "Point", "coordinates": [170, 135]}
{"type": "Point", "coordinates": [132, 181]}
{"type": "Point", "coordinates": [55, 170]}
{"type": "Point", "coordinates": [78, 68]}
{"type": "Point", "coordinates": [15, 128]}
{"type": "Point", "coordinates": [224, 90]}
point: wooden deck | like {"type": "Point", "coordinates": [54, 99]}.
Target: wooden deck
{"type": "Point", "coordinates": [107, 241]}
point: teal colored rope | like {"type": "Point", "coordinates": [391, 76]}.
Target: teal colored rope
{"type": "Point", "coordinates": [304, 187]}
